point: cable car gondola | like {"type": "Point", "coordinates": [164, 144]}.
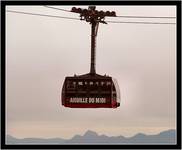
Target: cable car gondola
{"type": "Point", "coordinates": [91, 90]}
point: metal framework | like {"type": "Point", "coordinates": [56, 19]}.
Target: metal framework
{"type": "Point", "coordinates": [94, 17]}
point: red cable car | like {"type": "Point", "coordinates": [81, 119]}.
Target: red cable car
{"type": "Point", "coordinates": [91, 90]}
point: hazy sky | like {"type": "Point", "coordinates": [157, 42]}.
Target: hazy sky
{"type": "Point", "coordinates": [42, 51]}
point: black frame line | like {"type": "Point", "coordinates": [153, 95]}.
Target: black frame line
{"type": "Point", "coordinates": [112, 146]}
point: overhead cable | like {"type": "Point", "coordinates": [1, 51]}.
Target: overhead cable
{"type": "Point", "coordinates": [160, 17]}
{"type": "Point", "coordinates": [122, 16]}
{"type": "Point", "coordinates": [57, 8]}
{"type": "Point", "coordinates": [140, 22]}
{"type": "Point", "coordinates": [45, 15]}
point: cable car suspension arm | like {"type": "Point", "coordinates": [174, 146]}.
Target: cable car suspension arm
{"type": "Point", "coordinates": [94, 17]}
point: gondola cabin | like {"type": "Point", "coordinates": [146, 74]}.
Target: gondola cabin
{"type": "Point", "coordinates": [91, 90]}
{"type": "Point", "coordinates": [87, 91]}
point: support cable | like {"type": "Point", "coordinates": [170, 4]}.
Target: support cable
{"type": "Point", "coordinates": [140, 22]}
{"type": "Point", "coordinates": [162, 17]}
{"type": "Point", "coordinates": [46, 15]}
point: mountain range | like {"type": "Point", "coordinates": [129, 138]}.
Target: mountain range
{"type": "Point", "coordinates": [91, 137]}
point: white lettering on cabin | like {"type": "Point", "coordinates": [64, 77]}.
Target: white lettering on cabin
{"type": "Point", "coordinates": [100, 100]}
{"type": "Point", "coordinates": [91, 100]}
{"type": "Point", "coordinates": [87, 100]}
{"type": "Point", "coordinates": [78, 100]}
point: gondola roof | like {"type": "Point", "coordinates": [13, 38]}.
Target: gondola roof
{"type": "Point", "coordinates": [89, 76]}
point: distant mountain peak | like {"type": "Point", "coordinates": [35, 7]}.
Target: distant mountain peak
{"type": "Point", "coordinates": [10, 137]}
{"type": "Point", "coordinates": [90, 133]}
{"type": "Point", "coordinates": [168, 133]}
{"type": "Point", "coordinates": [92, 137]}
{"type": "Point", "coordinates": [139, 135]}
